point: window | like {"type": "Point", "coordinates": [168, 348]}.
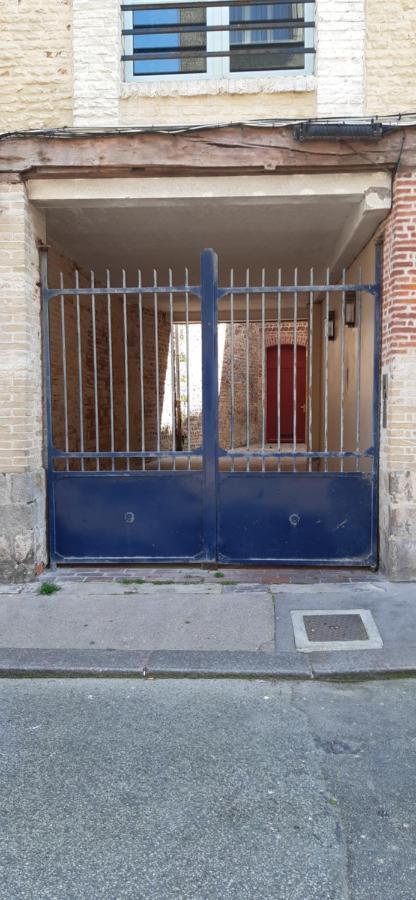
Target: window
{"type": "Point", "coordinates": [164, 40]}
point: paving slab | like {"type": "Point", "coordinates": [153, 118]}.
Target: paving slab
{"type": "Point", "coordinates": [393, 608]}
{"type": "Point", "coordinates": [162, 620]}
{"type": "Point", "coordinates": [216, 629]}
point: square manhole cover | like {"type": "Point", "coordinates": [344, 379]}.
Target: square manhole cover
{"type": "Point", "coordinates": [348, 627]}
{"type": "Point", "coordinates": [352, 629]}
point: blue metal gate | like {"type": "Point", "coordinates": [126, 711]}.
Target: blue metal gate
{"type": "Point", "coordinates": [209, 486]}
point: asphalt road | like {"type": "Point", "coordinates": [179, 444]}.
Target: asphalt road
{"type": "Point", "coordinates": [207, 789]}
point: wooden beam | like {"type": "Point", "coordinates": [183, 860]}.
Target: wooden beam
{"type": "Point", "coordinates": [226, 151]}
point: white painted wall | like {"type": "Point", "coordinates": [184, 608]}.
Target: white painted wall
{"type": "Point", "coordinates": [340, 57]}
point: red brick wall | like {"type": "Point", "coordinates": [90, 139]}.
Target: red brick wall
{"type": "Point", "coordinates": [255, 378]}
{"type": "Point", "coordinates": [399, 298]}
{"type": "Point", "coordinates": [398, 432]}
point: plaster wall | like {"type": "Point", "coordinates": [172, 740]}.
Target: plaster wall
{"type": "Point", "coordinates": [358, 353]}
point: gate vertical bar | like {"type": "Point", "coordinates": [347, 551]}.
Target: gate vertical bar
{"type": "Point", "coordinates": [310, 374]}
{"type": "Point", "coordinates": [43, 251]}
{"type": "Point", "coordinates": [376, 397]}
{"type": "Point", "coordinates": [64, 371]}
{"type": "Point", "coordinates": [80, 370]}
{"type": "Point", "coordinates": [209, 319]}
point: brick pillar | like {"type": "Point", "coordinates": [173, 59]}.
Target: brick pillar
{"type": "Point", "coordinates": [398, 434]}
{"type": "Point", "coordinates": [22, 482]}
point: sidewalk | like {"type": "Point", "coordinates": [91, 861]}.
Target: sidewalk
{"type": "Point", "coordinates": [198, 623]}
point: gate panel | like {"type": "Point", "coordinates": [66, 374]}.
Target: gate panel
{"type": "Point", "coordinates": [127, 471]}
{"type": "Point", "coordinates": [297, 519]}
{"type": "Point", "coordinates": [134, 517]}
{"type": "Point", "coordinates": [168, 439]}
{"type": "Point", "coordinates": [299, 492]}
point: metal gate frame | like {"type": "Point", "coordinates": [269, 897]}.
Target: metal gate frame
{"type": "Point", "coordinates": [212, 505]}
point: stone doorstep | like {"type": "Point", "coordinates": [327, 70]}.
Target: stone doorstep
{"type": "Point", "coordinates": [239, 576]}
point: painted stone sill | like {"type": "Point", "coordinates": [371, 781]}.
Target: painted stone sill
{"type": "Point", "coordinates": [217, 86]}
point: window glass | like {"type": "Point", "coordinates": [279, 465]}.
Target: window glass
{"type": "Point", "coordinates": [266, 47]}
{"type": "Point", "coordinates": [165, 40]}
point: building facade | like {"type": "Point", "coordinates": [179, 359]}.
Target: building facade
{"type": "Point", "coordinates": [145, 411]}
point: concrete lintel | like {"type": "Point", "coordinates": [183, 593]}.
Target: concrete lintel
{"type": "Point", "coordinates": [364, 187]}
{"type": "Point", "coordinates": [362, 222]}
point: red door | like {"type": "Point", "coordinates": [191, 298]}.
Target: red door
{"type": "Point", "coordinates": [286, 394]}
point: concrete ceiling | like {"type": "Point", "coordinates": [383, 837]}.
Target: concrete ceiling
{"type": "Point", "coordinates": [294, 221]}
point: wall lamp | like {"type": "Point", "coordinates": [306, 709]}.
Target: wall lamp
{"type": "Point", "coordinates": [350, 308]}
{"type": "Point", "coordinates": [331, 325]}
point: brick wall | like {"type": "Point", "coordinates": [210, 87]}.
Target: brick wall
{"type": "Point", "coordinates": [22, 488]}
{"type": "Point", "coordinates": [240, 379]}
{"type": "Point", "coordinates": [36, 64]}
{"type": "Point", "coordinates": [96, 380]}
{"type": "Point", "coordinates": [255, 378]}
{"type": "Point", "coordinates": [97, 61]}
{"type": "Point", "coordinates": [398, 438]}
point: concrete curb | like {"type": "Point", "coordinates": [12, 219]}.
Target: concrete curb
{"type": "Point", "coordinates": [399, 661]}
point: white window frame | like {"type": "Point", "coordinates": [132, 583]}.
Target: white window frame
{"type": "Point", "coordinates": [217, 67]}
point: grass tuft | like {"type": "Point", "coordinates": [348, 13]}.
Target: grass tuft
{"type": "Point", "coordinates": [132, 581]}
{"type": "Point", "coordinates": [163, 582]}
{"type": "Point", "coordinates": [49, 587]}
{"type": "Point", "coordinates": [218, 574]}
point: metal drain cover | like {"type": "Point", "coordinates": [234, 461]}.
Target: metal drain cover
{"type": "Point", "coordinates": [352, 629]}
{"type": "Point", "coordinates": [347, 627]}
